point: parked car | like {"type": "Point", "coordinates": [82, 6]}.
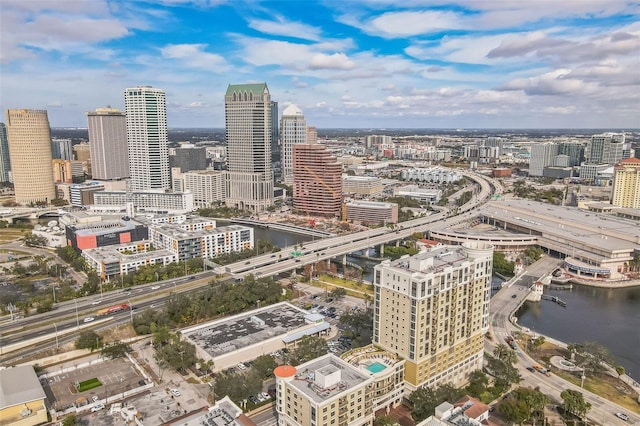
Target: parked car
{"type": "Point", "coordinates": [94, 398]}
{"type": "Point", "coordinates": [265, 396]}
{"type": "Point", "coordinates": [97, 407]}
{"type": "Point", "coordinates": [175, 392]}
{"type": "Point", "coordinates": [241, 366]}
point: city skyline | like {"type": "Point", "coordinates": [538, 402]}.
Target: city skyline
{"type": "Point", "coordinates": [359, 64]}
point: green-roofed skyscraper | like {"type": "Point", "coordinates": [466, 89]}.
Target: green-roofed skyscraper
{"type": "Point", "coordinates": [248, 129]}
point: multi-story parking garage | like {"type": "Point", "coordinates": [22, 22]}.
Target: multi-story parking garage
{"type": "Point", "coordinates": [593, 245]}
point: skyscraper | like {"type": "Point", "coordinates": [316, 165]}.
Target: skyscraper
{"type": "Point", "coordinates": [317, 181]}
{"type": "Point", "coordinates": [606, 148]}
{"type": "Point", "coordinates": [5, 162]}
{"type": "Point", "coordinates": [108, 144]}
{"type": "Point", "coordinates": [147, 141]}
{"type": "Point", "coordinates": [626, 184]}
{"type": "Point", "coordinates": [293, 130]}
{"type": "Point", "coordinates": [30, 151]}
{"type": "Point", "coordinates": [61, 149]}
{"type": "Point", "coordinates": [542, 156]}
{"type": "Point", "coordinates": [248, 130]}
{"type": "Point", "coordinates": [432, 309]}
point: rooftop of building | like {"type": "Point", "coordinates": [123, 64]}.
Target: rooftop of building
{"type": "Point", "coordinates": [224, 413]}
{"type": "Point", "coordinates": [431, 261]}
{"type": "Point", "coordinates": [589, 228]}
{"type": "Point", "coordinates": [371, 359]}
{"type": "Point", "coordinates": [19, 385]}
{"type": "Point", "coordinates": [362, 178]}
{"type": "Point", "coordinates": [370, 204]}
{"type": "Point", "coordinates": [110, 254]}
{"type": "Point", "coordinates": [326, 377]}
{"type": "Point", "coordinates": [174, 231]}
{"type": "Point", "coordinates": [105, 227]}
{"type": "Point", "coordinates": [247, 329]}
{"type": "Point", "coordinates": [292, 110]}
{"type": "Point", "coordinates": [255, 88]}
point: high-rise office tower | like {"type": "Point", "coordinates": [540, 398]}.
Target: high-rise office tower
{"type": "Point", "coordinates": [276, 149]}
{"type": "Point", "coordinates": [432, 309]}
{"type": "Point", "coordinates": [542, 155]}
{"type": "Point", "coordinates": [108, 144]}
{"type": "Point", "coordinates": [5, 162]}
{"type": "Point", "coordinates": [574, 150]}
{"type": "Point", "coordinates": [606, 148]}
{"type": "Point", "coordinates": [312, 135]}
{"type": "Point", "coordinates": [293, 130]}
{"type": "Point", "coordinates": [189, 157]}
{"type": "Point", "coordinates": [30, 151]}
{"type": "Point", "coordinates": [61, 149]}
{"type": "Point", "coordinates": [317, 181]}
{"type": "Point", "coordinates": [147, 140]}
{"type": "Point", "coordinates": [626, 184]}
{"type": "Point", "coordinates": [248, 130]}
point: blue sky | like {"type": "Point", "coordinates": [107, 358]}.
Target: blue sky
{"type": "Point", "coordinates": [347, 63]}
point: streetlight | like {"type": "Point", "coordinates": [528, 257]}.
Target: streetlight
{"type": "Point", "coordinates": [583, 377]}
{"type": "Point", "coordinates": [130, 310]}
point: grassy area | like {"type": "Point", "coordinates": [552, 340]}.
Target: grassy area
{"type": "Point", "coordinates": [347, 284]}
{"type": "Point", "coordinates": [603, 385]}
{"type": "Point", "coordinates": [11, 234]}
{"type": "Point", "coordinates": [89, 384]}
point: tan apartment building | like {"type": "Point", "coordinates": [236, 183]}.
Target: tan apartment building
{"type": "Point", "coordinates": [30, 152]}
{"type": "Point", "coordinates": [432, 309]}
{"type": "Point", "coordinates": [317, 181]}
{"type": "Point", "coordinates": [326, 391]}
{"type": "Point", "coordinates": [626, 184]}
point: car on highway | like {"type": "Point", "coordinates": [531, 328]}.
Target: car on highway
{"type": "Point", "coordinates": [155, 287]}
{"type": "Point", "coordinates": [622, 416]}
{"type": "Point", "coordinates": [88, 319]}
{"type": "Point", "coordinates": [175, 392]}
{"type": "Point", "coordinates": [97, 407]}
{"type": "Point", "coordinates": [96, 302]}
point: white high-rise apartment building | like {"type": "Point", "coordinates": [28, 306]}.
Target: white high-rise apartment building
{"type": "Point", "coordinates": [248, 129]}
{"type": "Point", "coordinates": [146, 113]}
{"type": "Point", "coordinates": [108, 144]}
{"type": "Point", "coordinates": [30, 152]}
{"type": "Point", "coordinates": [542, 155]}
{"type": "Point", "coordinates": [293, 130]}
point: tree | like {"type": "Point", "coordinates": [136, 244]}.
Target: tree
{"type": "Point", "coordinates": [478, 382]}
{"type": "Point", "coordinates": [338, 293]}
{"type": "Point", "coordinates": [309, 347]}
{"type": "Point", "coordinates": [88, 339]}
{"type": "Point", "coordinates": [32, 240]}
{"type": "Point", "coordinates": [425, 400]}
{"type": "Point", "coordinates": [524, 404]}
{"type": "Point", "coordinates": [385, 421]}
{"type": "Point", "coordinates": [115, 350]}
{"type": "Point", "coordinates": [538, 342]}
{"type": "Point", "coordinates": [263, 366]}
{"type": "Point", "coordinates": [573, 402]}
{"type": "Point", "coordinates": [620, 370]}
{"type": "Point", "coordinates": [592, 357]}
{"type": "Point", "coordinates": [59, 202]}
{"type": "Point", "coordinates": [178, 354]}
{"type": "Point", "coordinates": [505, 354]}
{"type": "Point", "coordinates": [504, 373]}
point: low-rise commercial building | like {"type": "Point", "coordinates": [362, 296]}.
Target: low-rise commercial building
{"type": "Point", "coordinates": [22, 399]}
{"type": "Point", "coordinates": [104, 233]}
{"type": "Point", "coordinates": [371, 212]}
{"type": "Point", "coordinates": [362, 185]}
{"type": "Point", "coordinates": [143, 202]}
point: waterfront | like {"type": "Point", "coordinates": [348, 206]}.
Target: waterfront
{"type": "Point", "coordinates": [610, 317]}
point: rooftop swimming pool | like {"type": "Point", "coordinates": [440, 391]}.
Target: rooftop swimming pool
{"type": "Point", "coordinates": [376, 367]}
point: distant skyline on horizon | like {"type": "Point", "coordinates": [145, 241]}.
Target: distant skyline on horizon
{"type": "Point", "coordinates": [359, 64]}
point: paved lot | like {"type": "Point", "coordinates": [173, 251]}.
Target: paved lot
{"type": "Point", "coordinates": [116, 376]}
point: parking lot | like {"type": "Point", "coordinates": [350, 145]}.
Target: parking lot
{"type": "Point", "coordinates": [117, 376]}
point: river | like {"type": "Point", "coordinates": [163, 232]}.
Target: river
{"type": "Point", "coordinates": [610, 317]}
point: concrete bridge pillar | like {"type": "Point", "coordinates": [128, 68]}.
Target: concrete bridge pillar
{"type": "Point", "coordinates": [397, 243]}
{"type": "Point", "coordinates": [344, 260]}
{"type": "Point", "coordinates": [381, 250]}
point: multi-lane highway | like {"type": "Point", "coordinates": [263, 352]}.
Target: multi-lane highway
{"type": "Point", "coordinates": [502, 306]}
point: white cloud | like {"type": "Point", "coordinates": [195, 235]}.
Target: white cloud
{"type": "Point", "coordinates": [282, 27]}
{"type": "Point", "coordinates": [407, 23]}
{"type": "Point", "coordinates": [560, 110]}
{"type": "Point", "coordinates": [337, 61]}
{"type": "Point", "coordinates": [194, 56]}
{"type": "Point", "coordinates": [557, 82]}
